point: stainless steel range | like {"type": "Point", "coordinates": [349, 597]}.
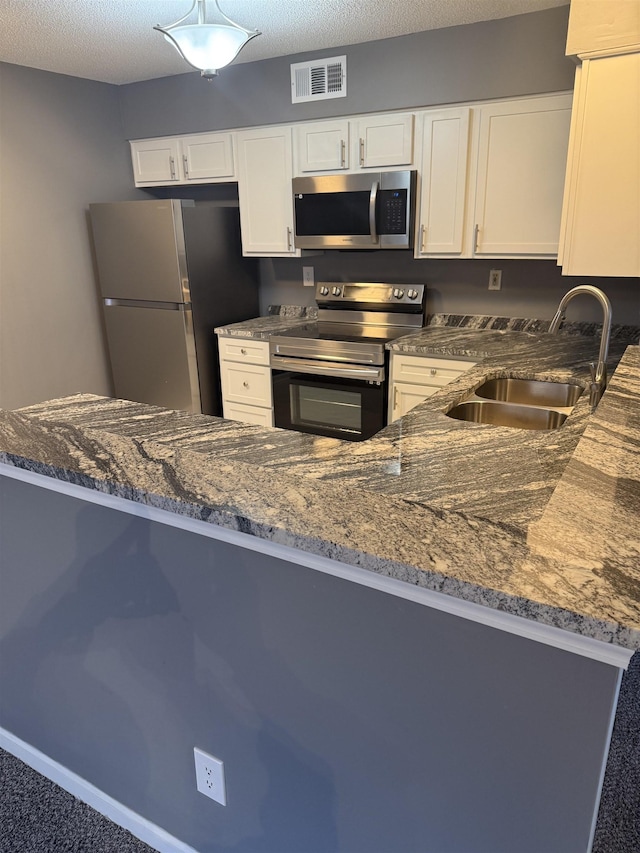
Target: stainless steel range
{"type": "Point", "coordinates": [330, 376]}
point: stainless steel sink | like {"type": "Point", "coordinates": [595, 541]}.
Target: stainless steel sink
{"type": "Point", "coordinates": [508, 415]}
{"type": "Point", "coordinates": [532, 392]}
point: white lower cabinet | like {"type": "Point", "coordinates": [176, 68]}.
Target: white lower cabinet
{"type": "Point", "coordinates": [248, 414]}
{"type": "Point", "coordinates": [416, 377]}
{"type": "Point", "coordinates": [245, 377]}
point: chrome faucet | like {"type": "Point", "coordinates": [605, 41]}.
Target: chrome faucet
{"type": "Point", "coordinates": [599, 371]}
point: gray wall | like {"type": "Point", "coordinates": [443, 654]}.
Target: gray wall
{"type": "Point", "coordinates": [522, 55]}
{"type": "Point", "coordinates": [348, 719]}
{"type": "Point", "coordinates": [530, 289]}
{"type": "Point", "coordinates": [61, 147]}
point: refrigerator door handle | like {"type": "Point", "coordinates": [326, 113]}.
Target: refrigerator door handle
{"type": "Point", "coordinates": [143, 303]}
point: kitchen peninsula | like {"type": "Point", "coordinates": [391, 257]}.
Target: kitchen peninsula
{"type": "Point", "coordinates": [450, 602]}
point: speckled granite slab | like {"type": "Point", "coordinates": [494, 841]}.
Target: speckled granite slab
{"type": "Point", "coordinates": [630, 334]}
{"type": "Point", "coordinates": [283, 317]}
{"type": "Point", "coordinates": [279, 319]}
{"type": "Point", "coordinates": [464, 509]}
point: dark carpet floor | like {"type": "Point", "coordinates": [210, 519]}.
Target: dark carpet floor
{"type": "Point", "coordinates": [37, 816]}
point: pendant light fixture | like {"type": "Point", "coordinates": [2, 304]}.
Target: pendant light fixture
{"type": "Point", "coordinates": [207, 47]}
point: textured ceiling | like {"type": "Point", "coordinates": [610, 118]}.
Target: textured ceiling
{"type": "Point", "coordinates": [113, 40]}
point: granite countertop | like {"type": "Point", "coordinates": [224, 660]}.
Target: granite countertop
{"type": "Point", "coordinates": [281, 318]}
{"type": "Point", "coordinates": [538, 524]}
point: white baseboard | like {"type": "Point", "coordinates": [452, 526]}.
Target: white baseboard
{"type": "Point", "coordinates": [137, 825]}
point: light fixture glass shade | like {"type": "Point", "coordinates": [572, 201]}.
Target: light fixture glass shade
{"type": "Point", "coordinates": [207, 47]}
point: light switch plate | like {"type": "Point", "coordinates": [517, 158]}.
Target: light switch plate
{"type": "Point", "coordinates": [307, 276]}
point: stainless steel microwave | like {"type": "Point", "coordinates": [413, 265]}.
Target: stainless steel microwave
{"type": "Point", "coordinates": [366, 211]}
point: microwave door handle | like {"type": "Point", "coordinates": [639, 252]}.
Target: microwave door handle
{"type": "Point", "coordinates": [373, 198]}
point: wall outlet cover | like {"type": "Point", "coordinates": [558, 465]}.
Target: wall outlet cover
{"type": "Point", "coordinates": [210, 776]}
{"type": "Point", "coordinates": [495, 279]}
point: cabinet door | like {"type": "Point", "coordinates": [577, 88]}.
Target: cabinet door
{"type": "Point", "coordinates": [416, 377]}
{"type": "Point", "coordinates": [385, 141]}
{"type": "Point", "coordinates": [248, 414]}
{"type": "Point", "coordinates": [522, 157]}
{"type": "Point", "coordinates": [444, 182]}
{"type": "Point", "coordinates": [427, 370]}
{"type": "Point", "coordinates": [243, 350]}
{"type": "Point", "coordinates": [155, 161]}
{"type": "Point", "coordinates": [264, 189]}
{"type": "Point", "coordinates": [602, 197]}
{"type": "Point", "coordinates": [404, 397]}
{"type": "Point", "coordinates": [246, 383]}
{"type": "Point", "coordinates": [207, 156]}
{"type": "Point", "coordinates": [322, 146]}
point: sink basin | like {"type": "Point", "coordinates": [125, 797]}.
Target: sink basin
{"type": "Point", "coordinates": [531, 392]}
{"type": "Point", "coordinates": [508, 414]}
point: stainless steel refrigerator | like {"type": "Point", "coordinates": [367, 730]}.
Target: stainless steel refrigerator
{"type": "Point", "coordinates": [169, 272]}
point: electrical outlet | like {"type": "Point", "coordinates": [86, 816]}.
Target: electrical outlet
{"type": "Point", "coordinates": [307, 276]}
{"type": "Point", "coordinates": [495, 279]}
{"type": "Point", "coordinates": [210, 776]}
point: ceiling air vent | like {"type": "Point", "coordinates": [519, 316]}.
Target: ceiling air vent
{"type": "Point", "coordinates": [319, 79]}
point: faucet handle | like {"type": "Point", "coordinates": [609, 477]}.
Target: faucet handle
{"type": "Point", "coordinates": [592, 370]}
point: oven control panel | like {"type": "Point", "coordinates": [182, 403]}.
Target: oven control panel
{"type": "Point", "coordinates": [372, 293]}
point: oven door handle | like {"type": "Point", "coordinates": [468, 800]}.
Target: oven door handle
{"type": "Point", "coordinates": [373, 198]}
{"type": "Point", "coordinates": [327, 368]}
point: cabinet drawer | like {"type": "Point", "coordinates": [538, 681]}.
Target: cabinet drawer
{"type": "Point", "coordinates": [244, 351]}
{"type": "Point", "coordinates": [427, 371]}
{"type": "Point", "coordinates": [249, 384]}
{"type": "Point", "coordinates": [248, 414]}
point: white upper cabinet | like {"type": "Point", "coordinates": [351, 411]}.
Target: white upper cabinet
{"type": "Point", "coordinates": [601, 216]}
{"type": "Point", "coordinates": [604, 27]}
{"type": "Point", "coordinates": [492, 179]}
{"type": "Point", "coordinates": [522, 155]}
{"type": "Point", "coordinates": [441, 207]}
{"type": "Point", "coordinates": [207, 156]}
{"type": "Point", "coordinates": [264, 188]}
{"type": "Point", "coordinates": [155, 161]}
{"type": "Point", "coordinates": [321, 146]}
{"type": "Point", "coordinates": [199, 158]}
{"type": "Point", "coordinates": [374, 142]}
{"type": "Point", "coordinates": [385, 140]}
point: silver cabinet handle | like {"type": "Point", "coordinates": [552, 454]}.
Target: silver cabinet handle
{"type": "Point", "coordinates": [433, 371]}
{"type": "Point", "coordinates": [172, 166]}
{"type": "Point", "coordinates": [395, 397]}
{"type": "Point", "coordinates": [423, 237]}
{"type": "Point", "coordinates": [289, 238]}
{"type": "Point", "coordinates": [343, 153]}
{"type": "Point", "coordinates": [373, 197]}
{"type": "Point", "coordinates": [185, 162]}
{"type": "Point", "coordinates": [243, 351]}
{"type": "Point", "coordinates": [362, 152]}
{"type": "Point", "coordinates": [245, 384]}
{"type": "Point", "coordinates": [476, 232]}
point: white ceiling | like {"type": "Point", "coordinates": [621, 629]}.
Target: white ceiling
{"type": "Point", "coordinates": [113, 40]}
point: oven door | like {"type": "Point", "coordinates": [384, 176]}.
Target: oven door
{"type": "Point", "coordinates": [338, 406]}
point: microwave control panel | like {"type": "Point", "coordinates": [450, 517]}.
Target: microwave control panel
{"type": "Point", "coordinates": [392, 217]}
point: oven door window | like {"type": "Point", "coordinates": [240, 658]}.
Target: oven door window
{"type": "Point", "coordinates": [344, 408]}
